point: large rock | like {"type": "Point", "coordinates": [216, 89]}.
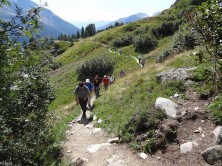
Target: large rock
{"type": "Point", "coordinates": [166, 105]}
{"type": "Point", "coordinates": [174, 74]}
{"type": "Point", "coordinates": [93, 148]}
{"type": "Point", "coordinates": [186, 147]}
{"type": "Point", "coordinates": [218, 134]}
{"type": "Point", "coordinates": [212, 154]}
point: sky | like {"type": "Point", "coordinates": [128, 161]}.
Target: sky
{"type": "Point", "coordinates": [107, 10]}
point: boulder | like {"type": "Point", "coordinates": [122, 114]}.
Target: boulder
{"type": "Point", "coordinates": [186, 147]}
{"type": "Point", "coordinates": [94, 148]}
{"type": "Point", "coordinates": [174, 74]}
{"type": "Point", "coordinates": [166, 105]}
{"type": "Point", "coordinates": [218, 134]}
{"type": "Point", "coordinates": [212, 154]}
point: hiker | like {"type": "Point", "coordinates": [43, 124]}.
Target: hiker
{"type": "Point", "coordinates": [115, 49]}
{"type": "Point", "coordinates": [111, 79]}
{"type": "Point", "coordinates": [121, 73]}
{"type": "Point", "coordinates": [82, 94]}
{"type": "Point", "coordinates": [105, 82]}
{"type": "Point", "coordinates": [90, 87]}
{"type": "Point", "coordinates": [143, 63]}
{"type": "Point", "coordinates": [139, 57]}
{"type": "Point", "coordinates": [96, 82]}
{"type": "Point", "coordinates": [107, 47]}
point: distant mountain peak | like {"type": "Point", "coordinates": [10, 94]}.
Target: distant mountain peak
{"type": "Point", "coordinates": [125, 20]}
{"type": "Point", "coordinates": [53, 24]}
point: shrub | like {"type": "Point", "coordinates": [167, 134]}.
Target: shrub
{"type": "Point", "coordinates": [202, 72]}
{"type": "Point", "coordinates": [216, 110]}
{"type": "Point", "coordinates": [123, 40]}
{"type": "Point", "coordinates": [97, 66]}
{"type": "Point", "coordinates": [144, 43]}
{"type": "Point", "coordinates": [165, 29]}
{"type": "Point", "coordinates": [130, 27]}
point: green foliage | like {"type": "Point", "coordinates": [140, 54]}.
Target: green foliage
{"type": "Point", "coordinates": [97, 66]}
{"type": "Point", "coordinates": [165, 29]}
{"type": "Point", "coordinates": [144, 43]}
{"type": "Point", "coordinates": [90, 30]}
{"type": "Point", "coordinates": [25, 93]}
{"type": "Point", "coordinates": [185, 39]}
{"type": "Point", "coordinates": [207, 21]}
{"type": "Point", "coordinates": [123, 40]}
{"type": "Point", "coordinates": [202, 72]}
{"type": "Point", "coordinates": [216, 110]}
{"type": "Point", "coordinates": [172, 87]}
{"type": "Point", "coordinates": [130, 27]}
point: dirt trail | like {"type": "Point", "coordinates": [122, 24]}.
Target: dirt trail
{"type": "Point", "coordinates": [82, 135]}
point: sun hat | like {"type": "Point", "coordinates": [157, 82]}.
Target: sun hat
{"type": "Point", "coordinates": [87, 80]}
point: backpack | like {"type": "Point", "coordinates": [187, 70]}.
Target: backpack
{"type": "Point", "coordinates": [77, 90]}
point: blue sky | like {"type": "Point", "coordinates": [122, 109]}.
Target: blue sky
{"type": "Point", "coordinates": [97, 10]}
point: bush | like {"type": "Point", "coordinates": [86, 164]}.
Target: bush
{"type": "Point", "coordinates": [130, 27]}
{"type": "Point", "coordinates": [97, 66]}
{"type": "Point", "coordinates": [185, 39]}
{"type": "Point", "coordinates": [202, 72]}
{"type": "Point", "coordinates": [216, 110]}
{"type": "Point", "coordinates": [144, 43]}
{"type": "Point", "coordinates": [166, 29]}
{"type": "Point", "coordinates": [25, 93]}
{"type": "Point", "coordinates": [123, 40]}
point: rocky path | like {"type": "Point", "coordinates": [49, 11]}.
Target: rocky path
{"type": "Point", "coordinates": [90, 146]}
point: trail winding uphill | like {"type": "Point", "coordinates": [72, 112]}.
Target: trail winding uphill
{"type": "Point", "coordinates": [90, 146]}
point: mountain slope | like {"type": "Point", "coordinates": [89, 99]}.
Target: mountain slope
{"type": "Point", "coordinates": [53, 24]}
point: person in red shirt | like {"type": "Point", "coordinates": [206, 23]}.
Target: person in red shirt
{"type": "Point", "coordinates": [105, 82]}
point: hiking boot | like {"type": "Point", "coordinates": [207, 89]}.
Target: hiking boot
{"type": "Point", "coordinates": [84, 115]}
{"type": "Point", "coordinates": [89, 105]}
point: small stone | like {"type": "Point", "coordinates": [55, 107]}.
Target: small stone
{"type": "Point", "coordinates": [196, 131]}
{"type": "Point", "coordinates": [196, 108]}
{"type": "Point", "coordinates": [114, 140]}
{"type": "Point", "coordinates": [69, 151]}
{"type": "Point", "coordinates": [176, 95]}
{"type": "Point", "coordinates": [143, 156]}
{"type": "Point", "coordinates": [99, 121]}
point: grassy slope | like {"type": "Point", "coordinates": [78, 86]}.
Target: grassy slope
{"type": "Point", "coordinates": [131, 95]}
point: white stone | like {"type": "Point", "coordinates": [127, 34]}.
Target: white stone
{"type": "Point", "coordinates": [176, 95]}
{"type": "Point", "coordinates": [89, 126]}
{"type": "Point", "coordinates": [143, 156]}
{"type": "Point", "coordinates": [69, 151]}
{"type": "Point", "coordinates": [99, 121]}
{"type": "Point", "coordinates": [114, 140]}
{"type": "Point", "coordinates": [186, 147]}
{"type": "Point", "coordinates": [94, 117]}
{"type": "Point", "coordinates": [94, 148]}
{"type": "Point", "coordinates": [166, 105]}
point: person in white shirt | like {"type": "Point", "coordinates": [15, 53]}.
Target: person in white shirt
{"type": "Point", "coordinates": [139, 57]}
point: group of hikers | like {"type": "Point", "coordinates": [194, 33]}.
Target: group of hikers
{"type": "Point", "coordinates": [84, 90]}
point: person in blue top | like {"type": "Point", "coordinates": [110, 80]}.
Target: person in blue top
{"type": "Point", "coordinates": [90, 86]}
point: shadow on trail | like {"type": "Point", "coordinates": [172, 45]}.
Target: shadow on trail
{"type": "Point", "coordinates": [84, 121]}
{"type": "Point", "coordinates": [88, 119]}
